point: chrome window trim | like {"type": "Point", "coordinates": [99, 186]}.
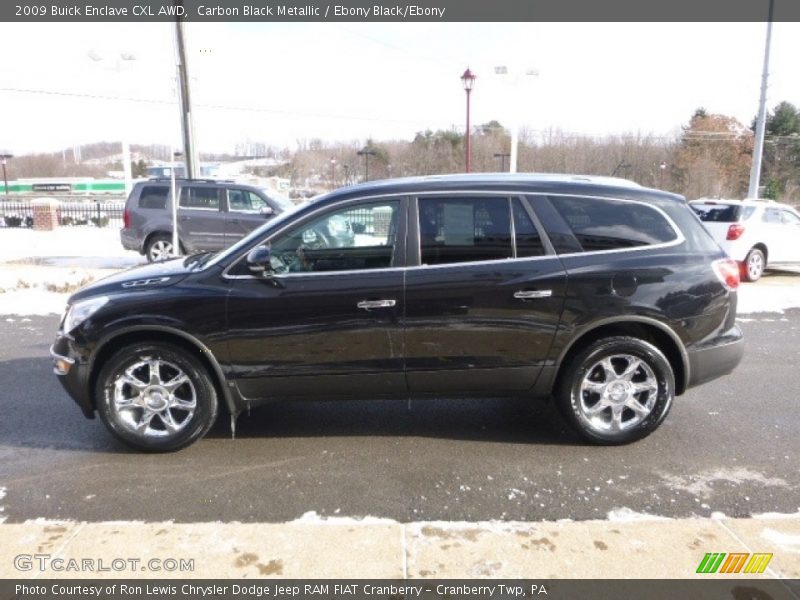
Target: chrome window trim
{"type": "Point", "coordinates": [680, 239]}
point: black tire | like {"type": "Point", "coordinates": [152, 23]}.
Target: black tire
{"type": "Point", "coordinates": [754, 264]}
{"type": "Point", "coordinates": [193, 422]}
{"type": "Point", "coordinates": [584, 370]}
{"type": "Point", "coordinates": [156, 248]}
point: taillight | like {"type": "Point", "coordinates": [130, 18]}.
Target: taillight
{"type": "Point", "coordinates": [727, 271]}
{"type": "Point", "coordinates": [735, 231]}
{"type": "Point", "coordinates": [126, 219]}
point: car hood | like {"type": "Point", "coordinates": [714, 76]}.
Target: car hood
{"type": "Point", "coordinates": [145, 277]}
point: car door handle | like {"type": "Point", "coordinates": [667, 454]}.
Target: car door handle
{"type": "Point", "coordinates": [532, 294]}
{"type": "Point", "coordinates": [370, 304]}
{"type": "Point", "coordinates": [184, 218]}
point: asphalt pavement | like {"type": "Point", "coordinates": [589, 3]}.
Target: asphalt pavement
{"type": "Point", "coordinates": [731, 446]}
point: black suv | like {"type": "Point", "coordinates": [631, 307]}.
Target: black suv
{"type": "Point", "coordinates": [611, 297]}
{"type": "Point", "coordinates": [212, 214]}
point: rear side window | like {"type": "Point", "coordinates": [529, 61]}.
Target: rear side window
{"type": "Point", "coordinates": [454, 230]}
{"type": "Point", "coordinates": [528, 241]}
{"type": "Point", "coordinates": [153, 196]}
{"type": "Point", "coordinates": [199, 197]}
{"type": "Point", "coordinates": [607, 224]}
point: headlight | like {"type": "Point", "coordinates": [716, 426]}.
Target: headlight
{"type": "Point", "coordinates": [80, 311]}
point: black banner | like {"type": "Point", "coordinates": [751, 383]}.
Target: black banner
{"type": "Point", "coordinates": [406, 589]}
{"type": "Point", "coordinates": [402, 11]}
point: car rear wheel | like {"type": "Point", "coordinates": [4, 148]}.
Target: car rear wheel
{"type": "Point", "coordinates": [156, 397]}
{"type": "Point", "coordinates": [159, 247]}
{"type": "Point", "coordinates": [754, 265]}
{"type": "Point", "coordinates": [617, 390]}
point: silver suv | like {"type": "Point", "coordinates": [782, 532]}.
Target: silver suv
{"type": "Point", "coordinates": [212, 215]}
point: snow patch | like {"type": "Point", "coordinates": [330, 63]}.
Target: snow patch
{"type": "Point", "coordinates": [313, 518]}
{"type": "Point", "coordinates": [627, 515]}
{"type": "Point", "coordinates": [785, 541]}
{"type": "Point", "coordinates": [702, 484]}
{"type": "Point", "coordinates": [766, 296]}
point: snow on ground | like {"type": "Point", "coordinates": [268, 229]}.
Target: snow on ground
{"type": "Point", "coordinates": [40, 269]}
{"type": "Point", "coordinates": [16, 244]}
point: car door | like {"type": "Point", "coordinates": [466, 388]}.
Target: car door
{"type": "Point", "coordinates": [201, 224]}
{"type": "Point", "coordinates": [484, 301]}
{"type": "Point", "coordinates": [246, 211]}
{"type": "Point", "coordinates": [326, 321]}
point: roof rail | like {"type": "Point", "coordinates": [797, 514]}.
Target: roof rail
{"type": "Point", "coordinates": [168, 179]}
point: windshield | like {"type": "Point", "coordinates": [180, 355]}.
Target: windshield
{"type": "Point", "coordinates": [281, 201]}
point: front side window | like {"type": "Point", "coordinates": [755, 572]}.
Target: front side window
{"type": "Point", "coordinates": [199, 197]}
{"type": "Point", "coordinates": [455, 230]}
{"type": "Point", "coordinates": [607, 224]}
{"type": "Point", "coordinates": [352, 238]}
{"type": "Point", "coordinates": [245, 201]}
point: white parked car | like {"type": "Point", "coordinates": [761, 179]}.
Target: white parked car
{"type": "Point", "coordinates": [756, 233]}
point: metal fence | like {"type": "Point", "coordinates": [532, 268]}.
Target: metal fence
{"type": "Point", "coordinates": [99, 214]}
{"type": "Point", "coordinates": [15, 213]}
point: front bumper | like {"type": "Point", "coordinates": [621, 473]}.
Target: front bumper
{"type": "Point", "coordinates": [716, 357]}
{"type": "Point", "coordinates": [73, 373]}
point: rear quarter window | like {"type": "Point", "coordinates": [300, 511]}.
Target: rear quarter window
{"type": "Point", "coordinates": [153, 196]}
{"type": "Point", "coordinates": [608, 224]}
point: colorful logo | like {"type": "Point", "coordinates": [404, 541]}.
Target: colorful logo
{"type": "Point", "coordinates": [735, 562]}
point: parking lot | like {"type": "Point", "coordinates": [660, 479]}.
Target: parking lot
{"type": "Point", "coordinates": [730, 446]}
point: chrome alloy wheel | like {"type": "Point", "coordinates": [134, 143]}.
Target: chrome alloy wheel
{"type": "Point", "coordinates": [154, 398]}
{"type": "Point", "coordinates": [617, 393]}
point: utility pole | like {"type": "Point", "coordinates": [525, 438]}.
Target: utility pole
{"type": "Point", "coordinates": [758, 148]}
{"type": "Point", "coordinates": [187, 124]}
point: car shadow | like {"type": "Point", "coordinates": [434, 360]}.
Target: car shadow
{"type": "Point", "coordinates": [38, 413]}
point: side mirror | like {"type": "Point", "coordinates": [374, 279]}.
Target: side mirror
{"type": "Point", "coordinates": [267, 211]}
{"type": "Point", "coordinates": [258, 260]}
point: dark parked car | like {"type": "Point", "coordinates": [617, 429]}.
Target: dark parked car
{"type": "Point", "coordinates": [608, 296]}
{"type": "Point", "coordinates": [212, 214]}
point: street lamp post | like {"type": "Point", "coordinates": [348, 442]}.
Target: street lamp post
{"type": "Point", "coordinates": [468, 79]}
{"type": "Point", "coordinates": [175, 240]}
{"type": "Point", "coordinates": [333, 172]}
{"type": "Point", "coordinates": [366, 152]}
{"type": "Point", "coordinates": [662, 167]}
{"type": "Point", "coordinates": [5, 158]}
{"type": "Point", "coordinates": [346, 174]}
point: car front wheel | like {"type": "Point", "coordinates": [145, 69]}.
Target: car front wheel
{"type": "Point", "coordinates": [156, 397]}
{"type": "Point", "coordinates": [617, 390]}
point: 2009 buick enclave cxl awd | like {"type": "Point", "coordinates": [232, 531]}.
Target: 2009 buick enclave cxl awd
{"type": "Point", "coordinates": [610, 297]}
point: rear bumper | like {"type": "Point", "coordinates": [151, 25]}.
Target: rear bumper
{"type": "Point", "coordinates": [129, 240]}
{"type": "Point", "coordinates": [716, 357]}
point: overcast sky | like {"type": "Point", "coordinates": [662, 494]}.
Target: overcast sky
{"type": "Point", "coordinates": [281, 82]}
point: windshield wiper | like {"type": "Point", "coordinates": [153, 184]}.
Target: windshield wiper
{"type": "Point", "coordinates": [200, 258]}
